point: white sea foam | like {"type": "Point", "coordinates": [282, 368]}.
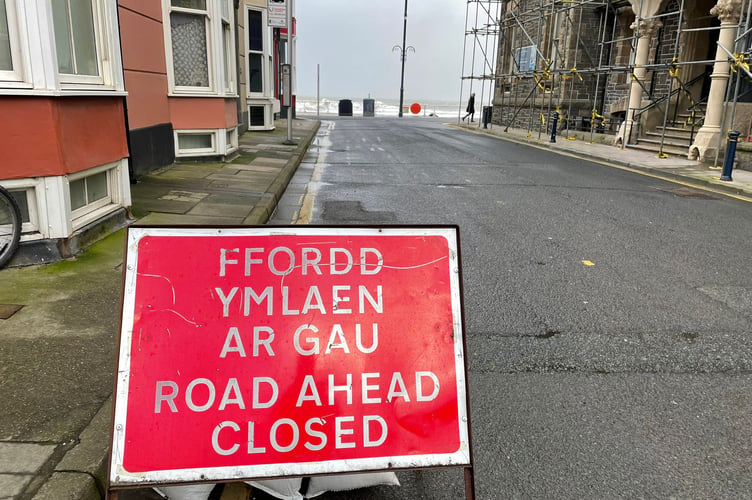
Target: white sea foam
{"type": "Point", "coordinates": [385, 107]}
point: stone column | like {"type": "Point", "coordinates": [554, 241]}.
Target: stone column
{"type": "Point", "coordinates": [646, 31]}
{"type": "Point", "coordinates": [706, 141]}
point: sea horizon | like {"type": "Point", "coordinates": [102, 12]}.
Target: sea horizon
{"type": "Point", "coordinates": [305, 105]}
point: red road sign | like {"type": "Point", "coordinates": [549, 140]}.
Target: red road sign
{"type": "Point", "coordinates": [415, 108]}
{"type": "Point", "coordinates": [264, 352]}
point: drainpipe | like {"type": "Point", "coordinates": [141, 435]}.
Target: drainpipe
{"type": "Point", "coordinates": [241, 122]}
{"type": "Point", "coordinates": [131, 173]}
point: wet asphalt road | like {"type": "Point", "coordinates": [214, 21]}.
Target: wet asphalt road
{"type": "Point", "coordinates": [608, 314]}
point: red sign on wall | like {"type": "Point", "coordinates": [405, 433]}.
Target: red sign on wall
{"type": "Point", "coordinates": [261, 352]}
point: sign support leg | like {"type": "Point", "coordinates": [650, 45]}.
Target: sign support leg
{"type": "Point", "coordinates": [469, 483]}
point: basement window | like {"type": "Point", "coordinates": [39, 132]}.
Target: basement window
{"type": "Point", "coordinates": [89, 193]}
{"type": "Point", "coordinates": [196, 143]}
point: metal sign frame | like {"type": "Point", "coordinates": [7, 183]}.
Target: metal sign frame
{"type": "Point", "coordinates": [119, 477]}
{"type": "Point", "coordinates": [277, 13]}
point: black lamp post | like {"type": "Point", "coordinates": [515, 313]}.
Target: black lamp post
{"type": "Point", "coordinates": [403, 53]}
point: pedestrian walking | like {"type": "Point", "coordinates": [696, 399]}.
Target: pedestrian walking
{"type": "Point", "coordinates": [470, 108]}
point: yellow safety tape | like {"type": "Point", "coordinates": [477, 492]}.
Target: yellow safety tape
{"type": "Point", "coordinates": [739, 62]}
{"type": "Point", "coordinates": [674, 69]}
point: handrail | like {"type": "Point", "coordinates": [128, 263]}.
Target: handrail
{"type": "Point", "coordinates": [683, 87]}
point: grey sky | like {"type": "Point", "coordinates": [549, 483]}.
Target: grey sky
{"type": "Point", "coordinates": [352, 41]}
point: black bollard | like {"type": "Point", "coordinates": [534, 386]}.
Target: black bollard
{"type": "Point", "coordinates": [728, 163]}
{"type": "Point", "coordinates": [553, 126]}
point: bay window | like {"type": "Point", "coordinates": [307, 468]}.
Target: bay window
{"type": "Point", "coordinates": [201, 47]}
{"type": "Point", "coordinates": [189, 29]}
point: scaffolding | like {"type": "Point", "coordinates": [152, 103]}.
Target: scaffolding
{"type": "Point", "coordinates": [607, 67]}
{"type": "Point", "coordinates": [479, 52]}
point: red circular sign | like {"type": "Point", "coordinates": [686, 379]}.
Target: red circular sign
{"type": "Point", "coordinates": [415, 108]}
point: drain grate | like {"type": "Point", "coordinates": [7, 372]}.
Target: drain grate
{"type": "Point", "coordinates": [8, 310]}
{"type": "Point", "coordinates": [686, 192]}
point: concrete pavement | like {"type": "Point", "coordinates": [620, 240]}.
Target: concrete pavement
{"type": "Point", "coordinates": [59, 326]}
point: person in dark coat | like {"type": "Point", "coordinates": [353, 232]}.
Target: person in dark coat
{"type": "Point", "coordinates": [470, 108]}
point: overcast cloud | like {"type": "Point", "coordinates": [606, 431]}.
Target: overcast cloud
{"type": "Point", "coordinates": [352, 41]}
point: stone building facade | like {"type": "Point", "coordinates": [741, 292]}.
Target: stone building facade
{"type": "Point", "coordinates": [635, 69]}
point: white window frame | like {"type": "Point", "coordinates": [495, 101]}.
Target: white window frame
{"type": "Point", "coordinates": [31, 187]}
{"type": "Point", "coordinates": [182, 153]}
{"type": "Point", "coordinates": [220, 34]}
{"type": "Point", "coordinates": [231, 145]}
{"type": "Point", "coordinates": [17, 74]}
{"type": "Point", "coordinates": [227, 32]}
{"type": "Point", "coordinates": [32, 32]}
{"type": "Point", "coordinates": [268, 106]}
{"type": "Point", "coordinates": [264, 52]}
{"type": "Point", "coordinates": [83, 215]}
{"type": "Point", "coordinates": [184, 89]}
{"type": "Point", "coordinates": [68, 80]}
{"type": "Point", "coordinates": [220, 146]}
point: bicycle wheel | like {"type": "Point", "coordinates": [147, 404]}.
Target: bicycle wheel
{"type": "Point", "coordinates": [10, 226]}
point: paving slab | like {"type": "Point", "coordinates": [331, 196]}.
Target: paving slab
{"type": "Point", "coordinates": [230, 210]}
{"type": "Point", "coordinates": [268, 161]}
{"type": "Point", "coordinates": [258, 168]}
{"type": "Point", "coordinates": [13, 484]}
{"type": "Point", "coordinates": [19, 458]}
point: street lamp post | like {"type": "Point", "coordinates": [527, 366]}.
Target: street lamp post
{"type": "Point", "coordinates": [403, 53]}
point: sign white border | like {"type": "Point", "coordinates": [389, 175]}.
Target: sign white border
{"type": "Point", "coordinates": [119, 476]}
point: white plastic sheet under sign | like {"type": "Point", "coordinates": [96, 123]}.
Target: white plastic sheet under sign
{"type": "Point", "coordinates": [277, 13]}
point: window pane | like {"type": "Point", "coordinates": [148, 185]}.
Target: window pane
{"type": "Point", "coordinates": [256, 116]}
{"type": "Point", "coordinates": [255, 31]}
{"type": "Point", "coordinates": [84, 44]}
{"type": "Point", "coordinates": [22, 200]}
{"type": "Point", "coordinates": [6, 63]}
{"type": "Point", "coordinates": [255, 73]}
{"type": "Point", "coordinates": [189, 49]}
{"type": "Point", "coordinates": [190, 4]}
{"type": "Point", "coordinates": [96, 187]}
{"type": "Point", "coordinates": [63, 39]}
{"type": "Point", "coordinates": [77, 194]}
{"type": "Point", "coordinates": [228, 53]}
{"type": "Point", "coordinates": [194, 141]}
{"type": "Point", "coordinates": [74, 37]}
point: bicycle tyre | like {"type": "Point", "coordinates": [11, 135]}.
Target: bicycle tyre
{"type": "Point", "coordinates": [10, 226]}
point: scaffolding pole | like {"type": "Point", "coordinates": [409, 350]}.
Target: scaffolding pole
{"type": "Point", "coordinates": [479, 49]}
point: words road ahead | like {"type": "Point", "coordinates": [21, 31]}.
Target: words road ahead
{"type": "Point", "coordinates": [260, 352]}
